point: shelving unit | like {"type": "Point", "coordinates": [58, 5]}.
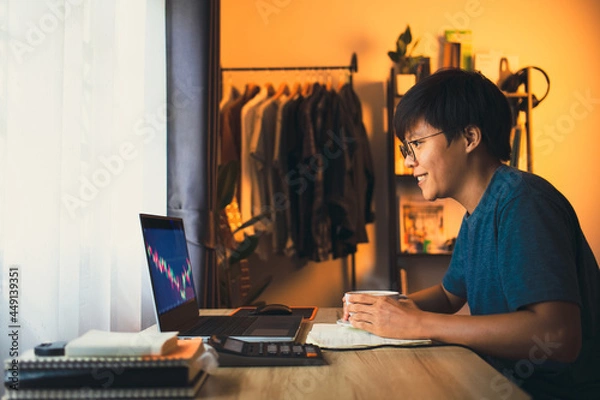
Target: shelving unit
{"type": "Point", "coordinates": [396, 282]}
{"type": "Point", "coordinates": [528, 94]}
{"type": "Point", "coordinates": [402, 184]}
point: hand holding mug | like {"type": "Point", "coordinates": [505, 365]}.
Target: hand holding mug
{"type": "Point", "coordinates": [376, 293]}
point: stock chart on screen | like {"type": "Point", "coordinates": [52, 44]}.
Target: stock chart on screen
{"type": "Point", "coordinates": [170, 267]}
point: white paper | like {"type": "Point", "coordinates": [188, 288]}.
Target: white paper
{"type": "Point", "coordinates": [335, 336]}
{"type": "Point", "coordinates": [120, 344]}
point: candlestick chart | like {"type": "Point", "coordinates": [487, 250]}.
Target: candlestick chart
{"type": "Point", "coordinates": [179, 277]}
{"type": "Point", "coordinates": [170, 267]}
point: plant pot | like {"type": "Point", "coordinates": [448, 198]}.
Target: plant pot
{"type": "Point", "coordinates": [404, 82]}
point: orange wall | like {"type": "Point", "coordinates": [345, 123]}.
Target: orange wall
{"type": "Point", "coordinates": [561, 37]}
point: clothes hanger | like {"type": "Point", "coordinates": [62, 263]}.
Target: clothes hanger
{"type": "Point", "coordinates": [307, 88]}
{"type": "Point", "coordinates": [251, 85]}
{"type": "Point", "coordinates": [296, 89]}
{"type": "Point", "coordinates": [268, 85]}
{"type": "Point", "coordinates": [322, 78]}
{"type": "Point", "coordinates": [312, 81]}
{"type": "Point", "coordinates": [344, 79]}
{"type": "Point", "coordinates": [227, 92]}
{"type": "Point", "coordinates": [329, 84]}
{"type": "Point", "coordinates": [283, 89]}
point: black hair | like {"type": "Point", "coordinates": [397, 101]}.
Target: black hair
{"type": "Point", "coordinates": [453, 100]}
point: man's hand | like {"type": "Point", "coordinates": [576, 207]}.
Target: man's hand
{"type": "Point", "coordinates": [383, 316]}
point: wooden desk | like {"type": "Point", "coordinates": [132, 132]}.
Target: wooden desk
{"type": "Point", "coordinates": [448, 372]}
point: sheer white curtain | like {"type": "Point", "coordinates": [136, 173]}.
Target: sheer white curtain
{"type": "Point", "coordinates": [82, 153]}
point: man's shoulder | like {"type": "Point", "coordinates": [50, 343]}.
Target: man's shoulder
{"type": "Point", "coordinates": [511, 183]}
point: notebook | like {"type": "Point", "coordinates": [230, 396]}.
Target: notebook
{"type": "Point", "coordinates": [188, 391]}
{"type": "Point", "coordinates": [179, 368]}
{"type": "Point", "coordinates": [175, 302]}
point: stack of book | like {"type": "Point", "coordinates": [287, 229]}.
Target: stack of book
{"type": "Point", "coordinates": [458, 49]}
{"type": "Point", "coordinates": [176, 372]}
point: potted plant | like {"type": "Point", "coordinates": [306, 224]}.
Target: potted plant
{"type": "Point", "coordinates": [405, 62]}
{"type": "Point", "coordinates": [231, 253]}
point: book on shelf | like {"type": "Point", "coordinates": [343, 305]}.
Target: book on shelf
{"type": "Point", "coordinates": [458, 49]}
{"type": "Point", "coordinates": [178, 369]}
{"type": "Point", "coordinates": [101, 343]}
{"type": "Point", "coordinates": [451, 55]}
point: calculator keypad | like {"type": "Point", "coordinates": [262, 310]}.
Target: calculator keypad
{"type": "Point", "coordinates": [272, 354]}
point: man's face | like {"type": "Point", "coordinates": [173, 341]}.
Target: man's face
{"type": "Point", "coordinates": [436, 165]}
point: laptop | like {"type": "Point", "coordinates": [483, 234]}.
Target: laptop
{"type": "Point", "coordinates": [174, 295]}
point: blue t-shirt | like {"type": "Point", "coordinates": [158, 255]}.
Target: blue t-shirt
{"type": "Point", "coordinates": [523, 245]}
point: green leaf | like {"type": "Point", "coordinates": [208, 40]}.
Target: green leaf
{"type": "Point", "coordinates": [394, 56]}
{"type": "Point", "coordinates": [252, 221]}
{"type": "Point", "coordinates": [227, 178]}
{"type": "Point", "coordinates": [413, 47]}
{"type": "Point", "coordinates": [244, 249]}
{"type": "Point", "coordinates": [401, 47]}
{"type": "Point", "coordinates": [406, 36]}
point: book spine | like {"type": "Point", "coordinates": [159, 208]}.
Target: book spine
{"type": "Point", "coordinates": [187, 392]}
{"type": "Point", "coordinates": [100, 377]}
{"type": "Point", "coordinates": [78, 363]}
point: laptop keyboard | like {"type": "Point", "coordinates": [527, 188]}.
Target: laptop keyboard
{"type": "Point", "coordinates": [220, 325]}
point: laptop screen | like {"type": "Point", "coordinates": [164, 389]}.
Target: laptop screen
{"type": "Point", "coordinates": [169, 262]}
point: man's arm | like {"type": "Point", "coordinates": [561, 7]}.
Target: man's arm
{"type": "Point", "coordinates": [549, 330]}
{"type": "Point", "coordinates": [437, 299]}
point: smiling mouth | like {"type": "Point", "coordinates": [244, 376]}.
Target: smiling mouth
{"type": "Point", "coordinates": [420, 177]}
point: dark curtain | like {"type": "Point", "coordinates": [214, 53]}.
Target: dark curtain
{"type": "Point", "coordinates": [192, 37]}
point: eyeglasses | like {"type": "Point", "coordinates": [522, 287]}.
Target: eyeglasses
{"type": "Point", "coordinates": [408, 148]}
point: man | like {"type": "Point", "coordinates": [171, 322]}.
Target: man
{"type": "Point", "coordinates": [521, 261]}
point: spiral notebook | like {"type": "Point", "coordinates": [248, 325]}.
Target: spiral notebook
{"type": "Point", "coordinates": [180, 368]}
{"type": "Point", "coordinates": [172, 393]}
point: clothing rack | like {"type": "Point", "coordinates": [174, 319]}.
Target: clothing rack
{"type": "Point", "coordinates": [352, 68]}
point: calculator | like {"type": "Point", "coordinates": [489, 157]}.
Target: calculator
{"type": "Point", "coordinates": [238, 353]}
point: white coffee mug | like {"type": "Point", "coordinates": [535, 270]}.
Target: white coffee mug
{"type": "Point", "coordinates": [385, 293]}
